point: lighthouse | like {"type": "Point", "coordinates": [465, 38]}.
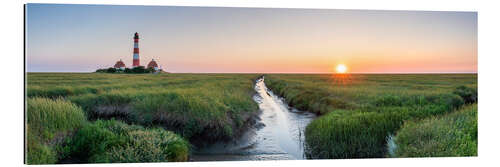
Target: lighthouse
{"type": "Point", "coordinates": [135, 62]}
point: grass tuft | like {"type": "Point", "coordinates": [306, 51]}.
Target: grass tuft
{"type": "Point", "coordinates": [112, 141]}
{"type": "Point", "coordinates": [48, 123]}
{"type": "Point", "coordinates": [454, 134]}
{"type": "Point", "coordinates": [468, 94]}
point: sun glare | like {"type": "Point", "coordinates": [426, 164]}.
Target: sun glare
{"type": "Point", "coordinates": [341, 68]}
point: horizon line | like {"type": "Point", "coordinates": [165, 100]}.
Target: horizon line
{"type": "Point", "coordinates": [289, 72]}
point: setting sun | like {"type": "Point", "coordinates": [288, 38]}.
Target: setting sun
{"type": "Point", "coordinates": [341, 68]}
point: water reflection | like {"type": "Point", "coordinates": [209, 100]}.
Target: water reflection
{"type": "Point", "coordinates": [279, 135]}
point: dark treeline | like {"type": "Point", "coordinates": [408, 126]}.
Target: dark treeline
{"type": "Point", "coordinates": [135, 70]}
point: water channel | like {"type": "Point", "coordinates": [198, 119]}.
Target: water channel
{"type": "Point", "coordinates": [278, 135]}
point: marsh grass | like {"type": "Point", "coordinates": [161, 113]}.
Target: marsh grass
{"type": "Point", "coordinates": [111, 141]}
{"type": "Point", "coordinates": [58, 132]}
{"type": "Point", "coordinates": [48, 123]}
{"type": "Point", "coordinates": [453, 134]}
{"type": "Point", "coordinates": [359, 114]}
{"type": "Point", "coordinates": [212, 106]}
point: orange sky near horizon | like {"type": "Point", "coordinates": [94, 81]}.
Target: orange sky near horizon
{"type": "Point", "coordinates": [81, 38]}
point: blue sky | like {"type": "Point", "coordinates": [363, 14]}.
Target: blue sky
{"type": "Point", "coordinates": [81, 38]}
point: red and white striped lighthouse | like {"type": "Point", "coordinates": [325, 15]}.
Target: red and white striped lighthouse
{"type": "Point", "coordinates": [136, 62]}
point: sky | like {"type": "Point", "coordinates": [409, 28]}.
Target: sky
{"type": "Point", "coordinates": [82, 38]}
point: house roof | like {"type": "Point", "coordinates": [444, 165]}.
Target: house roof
{"type": "Point", "coordinates": [119, 64]}
{"type": "Point", "coordinates": [152, 64]}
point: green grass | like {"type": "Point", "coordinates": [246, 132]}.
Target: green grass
{"type": "Point", "coordinates": [360, 111]}
{"type": "Point", "coordinates": [48, 123]}
{"type": "Point", "coordinates": [111, 141]}
{"type": "Point", "coordinates": [57, 131]}
{"type": "Point", "coordinates": [357, 112]}
{"type": "Point", "coordinates": [449, 135]}
{"type": "Point", "coordinates": [199, 107]}
{"type": "Point", "coordinates": [208, 106]}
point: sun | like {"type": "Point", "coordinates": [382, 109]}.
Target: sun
{"type": "Point", "coordinates": [341, 68]}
